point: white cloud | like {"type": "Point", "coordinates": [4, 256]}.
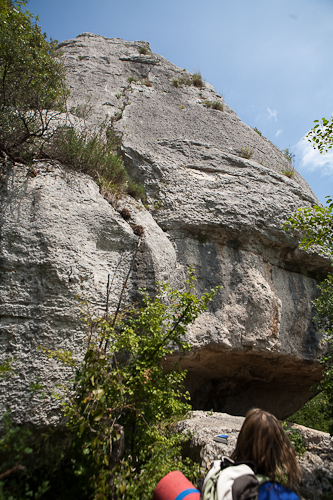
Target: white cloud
{"type": "Point", "coordinates": [311, 160]}
{"type": "Point", "coordinates": [278, 133]}
{"type": "Point", "coordinates": [272, 114]}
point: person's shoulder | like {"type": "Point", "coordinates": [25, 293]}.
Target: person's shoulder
{"type": "Point", "coordinates": [276, 491]}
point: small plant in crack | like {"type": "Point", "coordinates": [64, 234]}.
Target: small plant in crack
{"type": "Point", "coordinates": [246, 152]}
{"type": "Point", "coordinates": [146, 82]}
{"type": "Point", "coordinates": [288, 173]}
{"type": "Point", "coordinates": [197, 80]}
{"type": "Point", "coordinates": [214, 105]}
{"type": "Point", "coordinates": [143, 50]}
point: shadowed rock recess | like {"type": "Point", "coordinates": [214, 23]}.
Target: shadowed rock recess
{"type": "Point", "coordinates": [210, 209]}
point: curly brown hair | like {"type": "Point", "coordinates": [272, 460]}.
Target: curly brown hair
{"type": "Point", "coordinates": [263, 440]}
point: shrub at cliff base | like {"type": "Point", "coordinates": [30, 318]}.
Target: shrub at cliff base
{"type": "Point", "coordinates": [122, 407]}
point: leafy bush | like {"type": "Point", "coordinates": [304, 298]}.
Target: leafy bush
{"type": "Point", "coordinates": [289, 155]}
{"type": "Point", "coordinates": [120, 438]}
{"type": "Point", "coordinates": [314, 414]}
{"type": "Point", "coordinates": [296, 438]}
{"type": "Point", "coordinates": [39, 463]}
{"type": "Point", "coordinates": [258, 131]}
{"type": "Point", "coordinates": [321, 136]}
{"type": "Point", "coordinates": [246, 152]}
{"type": "Point", "coordinates": [315, 224]}
{"type": "Point", "coordinates": [131, 79]}
{"type": "Point", "coordinates": [125, 401]}
{"type": "Point", "coordinates": [175, 83]}
{"type": "Point", "coordinates": [32, 91]}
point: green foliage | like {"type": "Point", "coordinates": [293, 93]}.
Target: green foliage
{"type": "Point", "coordinates": [93, 154]}
{"type": "Point", "coordinates": [7, 368]}
{"type": "Point", "coordinates": [143, 50]}
{"type": "Point", "coordinates": [157, 204]}
{"type": "Point", "coordinates": [136, 190]}
{"type": "Point", "coordinates": [197, 80]}
{"type": "Point", "coordinates": [246, 152]}
{"type": "Point", "coordinates": [296, 438]}
{"type": "Point", "coordinates": [288, 173]}
{"type": "Point", "coordinates": [214, 105]}
{"type": "Point", "coordinates": [185, 80]}
{"type": "Point", "coordinates": [131, 79]}
{"type": "Point", "coordinates": [123, 389]}
{"type": "Point", "coordinates": [289, 155]}
{"type": "Point", "coordinates": [39, 464]}
{"type": "Point", "coordinates": [321, 136]}
{"type": "Point", "coordinates": [164, 455]}
{"type": "Point", "coordinates": [120, 438]}
{"type": "Point", "coordinates": [32, 91]}
{"type": "Point", "coordinates": [314, 414]}
{"type": "Point", "coordinates": [316, 227]}
{"type": "Point", "coordinates": [258, 131]}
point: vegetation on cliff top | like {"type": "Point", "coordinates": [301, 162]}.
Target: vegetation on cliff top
{"type": "Point", "coordinates": [33, 116]}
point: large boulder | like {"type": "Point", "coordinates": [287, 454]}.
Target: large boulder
{"type": "Point", "coordinates": [208, 207]}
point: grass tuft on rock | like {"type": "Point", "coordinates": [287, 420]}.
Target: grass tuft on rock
{"type": "Point", "coordinates": [93, 154]}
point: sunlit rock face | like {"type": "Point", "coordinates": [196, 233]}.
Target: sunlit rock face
{"type": "Point", "coordinates": [207, 208]}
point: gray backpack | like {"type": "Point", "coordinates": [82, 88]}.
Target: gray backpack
{"type": "Point", "coordinates": [228, 480]}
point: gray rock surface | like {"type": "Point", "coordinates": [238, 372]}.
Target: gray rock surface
{"type": "Point", "coordinates": [316, 463]}
{"type": "Point", "coordinates": [209, 208]}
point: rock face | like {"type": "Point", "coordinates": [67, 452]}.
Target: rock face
{"type": "Point", "coordinates": [316, 464]}
{"type": "Point", "coordinates": [209, 208]}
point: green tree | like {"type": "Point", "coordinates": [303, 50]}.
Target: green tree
{"type": "Point", "coordinates": [126, 400]}
{"type": "Point", "coordinates": [321, 136]}
{"type": "Point", "coordinates": [289, 155]}
{"type": "Point", "coordinates": [32, 89]}
{"type": "Point", "coordinates": [315, 225]}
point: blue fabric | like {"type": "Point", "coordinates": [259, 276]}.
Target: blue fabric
{"type": "Point", "coordinates": [275, 491]}
{"type": "Point", "coordinates": [184, 493]}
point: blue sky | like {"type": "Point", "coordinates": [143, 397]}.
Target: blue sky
{"type": "Point", "coordinates": [272, 60]}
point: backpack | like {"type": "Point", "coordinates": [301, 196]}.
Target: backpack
{"type": "Point", "coordinates": [228, 480]}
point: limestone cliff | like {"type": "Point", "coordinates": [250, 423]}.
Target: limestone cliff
{"type": "Point", "coordinates": [209, 208]}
